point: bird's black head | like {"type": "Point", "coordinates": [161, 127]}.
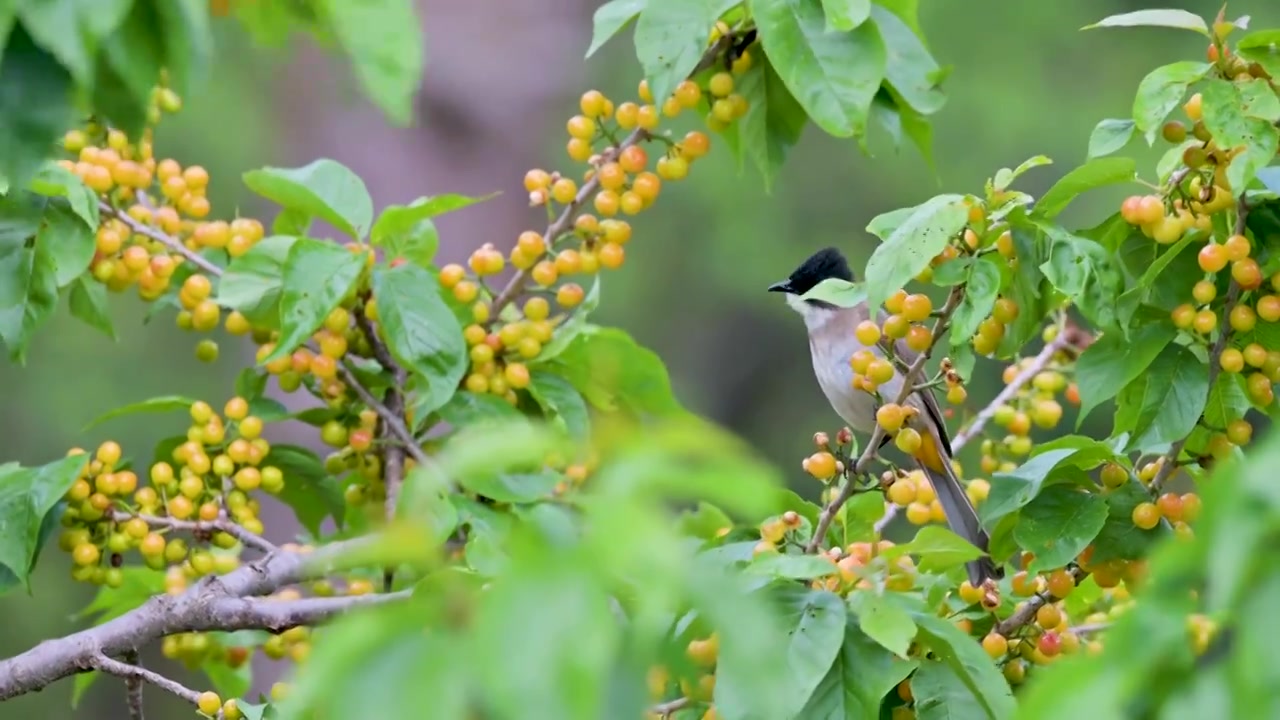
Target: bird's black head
{"type": "Point", "coordinates": [826, 263]}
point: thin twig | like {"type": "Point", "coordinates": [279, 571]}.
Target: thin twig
{"type": "Point", "coordinates": [1028, 610]}
{"type": "Point", "coordinates": [873, 445]}
{"type": "Point", "coordinates": [664, 710]}
{"type": "Point", "coordinates": [140, 674]}
{"type": "Point", "coordinates": [222, 524]}
{"type": "Point", "coordinates": [133, 688]}
{"type": "Point", "coordinates": [161, 237]}
{"type": "Point", "coordinates": [394, 424]}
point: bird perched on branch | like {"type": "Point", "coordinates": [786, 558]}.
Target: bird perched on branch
{"type": "Point", "coordinates": [832, 344]}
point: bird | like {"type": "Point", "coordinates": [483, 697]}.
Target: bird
{"type": "Point", "coordinates": [832, 343]}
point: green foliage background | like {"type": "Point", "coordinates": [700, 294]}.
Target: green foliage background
{"type": "Point", "coordinates": [1024, 82]}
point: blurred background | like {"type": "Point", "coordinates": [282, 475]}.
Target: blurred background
{"type": "Point", "coordinates": [502, 77]}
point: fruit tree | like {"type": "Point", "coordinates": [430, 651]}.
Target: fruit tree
{"type": "Point", "coordinates": [517, 519]}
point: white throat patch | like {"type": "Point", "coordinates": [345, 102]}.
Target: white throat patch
{"type": "Point", "coordinates": [814, 316]}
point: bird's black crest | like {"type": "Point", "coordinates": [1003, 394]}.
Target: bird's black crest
{"type": "Point", "coordinates": [826, 263]}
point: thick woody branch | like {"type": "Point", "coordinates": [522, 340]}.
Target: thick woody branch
{"type": "Point", "coordinates": [133, 689]}
{"type": "Point", "coordinates": [222, 524]}
{"type": "Point", "coordinates": [224, 602]}
{"type": "Point", "coordinates": [136, 675]}
{"type": "Point", "coordinates": [873, 445]}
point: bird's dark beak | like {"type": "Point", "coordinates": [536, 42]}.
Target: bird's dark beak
{"type": "Point", "coordinates": [782, 286]}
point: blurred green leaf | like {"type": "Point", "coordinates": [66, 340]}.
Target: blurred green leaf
{"type": "Point", "coordinates": [1161, 91]}
{"type": "Point", "coordinates": [912, 244]}
{"type": "Point", "coordinates": [565, 404]}
{"type": "Point", "coordinates": [163, 403]}
{"type": "Point", "coordinates": [312, 493]}
{"type": "Point", "coordinates": [315, 278]}
{"type": "Point", "coordinates": [1112, 362]}
{"type": "Point", "coordinates": [466, 408]}
{"type": "Point", "coordinates": [421, 332]}
{"type": "Point", "coordinates": [861, 676]}
{"type": "Point", "coordinates": [252, 283]}
{"type": "Point", "coordinates": [833, 76]}
{"type": "Point", "coordinates": [35, 106]}
{"type": "Point", "coordinates": [135, 53]}
{"type": "Point", "coordinates": [325, 189]}
{"type": "Point", "coordinates": [1110, 135]}
{"type": "Point", "coordinates": [1058, 524]}
{"type": "Point", "coordinates": [774, 119]}
{"type": "Point", "coordinates": [845, 15]}
{"type": "Point", "coordinates": [610, 18]}
{"type": "Point", "coordinates": [938, 548]}
{"type": "Point", "coordinates": [384, 40]}
{"type": "Point", "coordinates": [884, 621]}
{"type": "Point", "coordinates": [425, 499]}
{"type": "Point", "coordinates": [1223, 115]}
{"type": "Point", "coordinates": [1171, 18]}
{"type": "Point", "coordinates": [1014, 489]}
{"type": "Point", "coordinates": [1119, 537]}
{"type": "Point", "coordinates": [791, 567]}
{"type": "Point", "coordinates": [970, 663]}
{"type": "Point", "coordinates": [570, 329]}
{"type": "Point", "coordinates": [227, 681]}
{"type": "Point", "coordinates": [840, 293]}
{"type": "Point", "coordinates": [941, 694]}
{"type": "Point", "coordinates": [670, 38]}
{"type": "Point", "coordinates": [612, 371]}
{"type": "Point", "coordinates": [188, 38]}
{"type": "Point", "coordinates": [88, 302]}
{"type": "Point", "coordinates": [28, 272]}
{"type": "Point", "coordinates": [1227, 401]}
{"type": "Point", "coordinates": [27, 495]}
{"type": "Point", "coordinates": [1093, 174]}
{"type": "Point", "coordinates": [1164, 402]}
{"type": "Point", "coordinates": [913, 73]}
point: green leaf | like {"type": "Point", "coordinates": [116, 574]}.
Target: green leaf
{"type": "Point", "coordinates": [911, 71]}
{"type": "Point", "coordinates": [570, 329]}
{"type": "Point", "coordinates": [938, 548]}
{"type": "Point", "coordinates": [315, 278]}
{"type": "Point", "coordinates": [884, 621]}
{"type": "Point", "coordinates": [1014, 489]}
{"type": "Point", "coordinates": [840, 293]}
{"type": "Point", "coordinates": [425, 499]}
{"type": "Point", "coordinates": [610, 18]}
{"type": "Point", "coordinates": [312, 493]}
{"type": "Point", "coordinates": [1084, 271]}
{"type": "Point", "coordinates": [325, 189]}
{"type": "Point", "coordinates": [833, 76]}
{"type": "Point", "coordinates": [791, 567]}
{"type": "Point", "coordinates": [227, 681]}
{"type": "Point", "coordinates": [1223, 116]}
{"type": "Point", "coordinates": [161, 404]}
{"type": "Point", "coordinates": [861, 676]}
{"type": "Point", "coordinates": [467, 408]}
{"type": "Point", "coordinates": [1005, 177]}
{"type": "Point", "coordinates": [135, 53]}
{"type": "Point", "coordinates": [1227, 401]}
{"type": "Point", "coordinates": [1170, 18]}
{"type": "Point", "coordinates": [384, 40]}
{"type": "Point", "coordinates": [940, 694]}
{"type": "Point", "coordinates": [1167, 399]}
{"type": "Point", "coordinates": [35, 106]}
{"type": "Point", "coordinates": [421, 332]}
{"type": "Point", "coordinates": [970, 663]}
{"type": "Point", "coordinates": [53, 180]}
{"type": "Point", "coordinates": [1119, 537]}
{"type": "Point", "coordinates": [982, 288]}
{"type": "Point", "coordinates": [1058, 524]}
{"type": "Point", "coordinates": [253, 282]}
{"type": "Point", "coordinates": [1093, 174]}
{"type": "Point", "coordinates": [1112, 362]}
{"type": "Point", "coordinates": [1259, 101]}
{"type": "Point", "coordinates": [1161, 91]}
{"type": "Point", "coordinates": [670, 38]}
{"type": "Point", "coordinates": [60, 27]}
{"type": "Point", "coordinates": [911, 246]}
{"type": "Point", "coordinates": [67, 240]}
{"type": "Point", "coordinates": [845, 15]}
{"type": "Point", "coordinates": [559, 398]}
{"type": "Point", "coordinates": [407, 231]}
{"type": "Point", "coordinates": [775, 120]}
{"type": "Point", "coordinates": [1110, 135]}
{"type": "Point", "coordinates": [612, 371]}
{"type": "Point", "coordinates": [188, 39]}
{"type": "Point", "coordinates": [28, 273]}
{"type": "Point", "coordinates": [27, 495]}
{"type": "Point", "coordinates": [88, 302]}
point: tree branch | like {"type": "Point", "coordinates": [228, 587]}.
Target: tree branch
{"type": "Point", "coordinates": [393, 400]}
{"type": "Point", "coordinates": [664, 710]}
{"type": "Point", "coordinates": [136, 675]}
{"type": "Point", "coordinates": [1027, 612]}
{"type": "Point", "coordinates": [133, 688]}
{"type": "Point", "coordinates": [873, 445]}
{"type": "Point", "coordinates": [161, 237]}
{"type": "Point", "coordinates": [212, 603]}
{"type": "Point", "coordinates": [222, 524]}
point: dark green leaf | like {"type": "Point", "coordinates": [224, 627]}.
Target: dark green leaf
{"type": "Point", "coordinates": [970, 663]}
{"type": "Point", "coordinates": [35, 106]}
{"type": "Point", "coordinates": [468, 408]}
{"type": "Point", "coordinates": [670, 38]}
{"type": "Point", "coordinates": [1112, 362]}
{"type": "Point", "coordinates": [1171, 18]}
{"type": "Point", "coordinates": [60, 27]}
{"type": "Point", "coordinates": [912, 245]}
{"type": "Point", "coordinates": [1083, 270]}
{"type": "Point", "coordinates": [325, 189]}
{"type": "Point", "coordinates": [188, 39]}
{"type": "Point", "coordinates": [1227, 401]}
{"type": "Point", "coordinates": [1014, 489]}
{"type": "Point", "coordinates": [252, 283]}
{"type": "Point", "coordinates": [421, 332]}
{"type": "Point", "coordinates": [315, 278]}
{"type": "Point", "coordinates": [910, 70]}
{"type": "Point", "coordinates": [251, 382]}
{"type": "Point", "coordinates": [88, 301]}
{"type": "Point", "coordinates": [884, 621]}
{"type": "Point", "coordinates": [1167, 399]}
{"type": "Point", "coordinates": [312, 493]}
{"type": "Point", "coordinates": [1119, 537]}
{"type": "Point", "coordinates": [610, 18]}
{"type": "Point", "coordinates": [564, 403]}
{"type": "Point", "coordinates": [1224, 117]}
{"type": "Point", "coordinates": [845, 15]}
{"type": "Point", "coordinates": [982, 288]}
{"type": "Point", "coordinates": [1109, 136]}
{"type": "Point", "coordinates": [27, 495]}
{"type": "Point", "coordinates": [1058, 524]}
{"type": "Point", "coordinates": [67, 241]}
{"type": "Point", "coordinates": [861, 676]}
{"type": "Point", "coordinates": [940, 694]}
{"type": "Point", "coordinates": [833, 76]}
{"type": "Point", "coordinates": [384, 40]}
{"type": "Point", "coordinates": [775, 120]}
{"type": "Point", "coordinates": [841, 293]}
{"type": "Point", "coordinates": [165, 403]}
{"type": "Point", "coordinates": [1093, 174]}
{"type": "Point", "coordinates": [136, 52]}
{"type": "Point", "coordinates": [1161, 91]}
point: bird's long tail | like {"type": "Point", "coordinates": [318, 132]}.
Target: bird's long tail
{"type": "Point", "coordinates": [961, 515]}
